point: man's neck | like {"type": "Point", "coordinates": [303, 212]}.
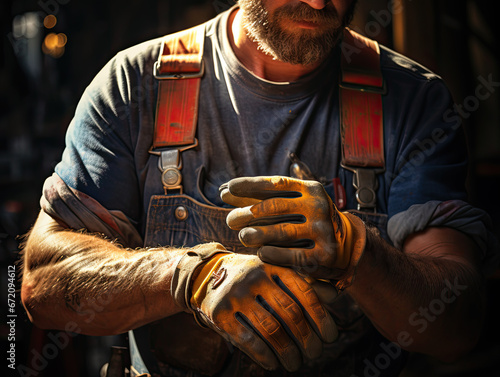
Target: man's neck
{"type": "Point", "coordinates": [256, 61]}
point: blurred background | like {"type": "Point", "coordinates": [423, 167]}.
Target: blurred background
{"type": "Point", "coordinates": [51, 50]}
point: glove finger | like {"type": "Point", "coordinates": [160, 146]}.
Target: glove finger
{"type": "Point", "coordinates": [273, 334]}
{"type": "Point", "coordinates": [270, 211]}
{"type": "Point", "coordinates": [266, 187]}
{"type": "Point", "coordinates": [239, 218]}
{"type": "Point", "coordinates": [325, 291]}
{"type": "Point", "coordinates": [278, 234]}
{"type": "Point", "coordinates": [293, 320]}
{"type": "Point", "coordinates": [279, 206]}
{"type": "Point", "coordinates": [243, 336]}
{"type": "Point", "coordinates": [312, 261]}
{"type": "Point", "coordinates": [305, 296]}
{"type": "Point", "coordinates": [236, 201]}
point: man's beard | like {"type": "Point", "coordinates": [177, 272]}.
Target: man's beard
{"type": "Point", "coordinates": [303, 46]}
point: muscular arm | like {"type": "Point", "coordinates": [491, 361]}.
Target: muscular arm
{"type": "Point", "coordinates": [427, 298]}
{"type": "Point", "coordinates": [72, 277]}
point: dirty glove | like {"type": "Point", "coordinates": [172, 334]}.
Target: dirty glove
{"type": "Point", "coordinates": [269, 312]}
{"type": "Point", "coordinates": [295, 224]}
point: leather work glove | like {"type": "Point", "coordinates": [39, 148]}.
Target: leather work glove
{"type": "Point", "coordinates": [269, 312]}
{"type": "Point", "coordinates": [295, 224]}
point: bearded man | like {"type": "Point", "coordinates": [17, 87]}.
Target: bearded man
{"type": "Point", "coordinates": [325, 267]}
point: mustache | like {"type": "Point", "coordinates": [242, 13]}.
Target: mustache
{"type": "Point", "coordinates": [303, 12]}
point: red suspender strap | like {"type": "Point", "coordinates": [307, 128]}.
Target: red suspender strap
{"type": "Point", "coordinates": [361, 90]}
{"type": "Point", "coordinates": [179, 70]}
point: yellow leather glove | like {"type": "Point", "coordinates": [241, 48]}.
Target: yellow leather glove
{"type": "Point", "coordinates": [269, 312]}
{"type": "Point", "coordinates": [295, 224]}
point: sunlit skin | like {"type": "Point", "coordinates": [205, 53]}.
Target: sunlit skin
{"type": "Point", "coordinates": [265, 66]}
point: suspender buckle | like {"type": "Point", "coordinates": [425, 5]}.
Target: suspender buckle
{"type": "Point", "coordinates": [178, 75]}
{"type": "Point", "coordinates": [170, 165]}
{"type": "Point", "coordinates": [365, 182]}
{"type": "Point", "coordinates": [382, 89]}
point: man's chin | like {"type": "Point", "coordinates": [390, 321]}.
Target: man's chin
{"type": "Point", "coordinates": [302, 50]}
{"type": "Point", "coordinates": [301, 58]}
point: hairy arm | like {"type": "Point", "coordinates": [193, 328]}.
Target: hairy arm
{"type": "Point", "coordinates": [93, 284]}
{"type": "Point", "coordinates": [427, 298]}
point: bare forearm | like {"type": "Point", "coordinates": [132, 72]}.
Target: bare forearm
{"type": "Point", "coordinates": [104, 289]}
{"type": "Point", "coordinates": [425, 303]}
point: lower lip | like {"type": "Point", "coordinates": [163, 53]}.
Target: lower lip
{"type": "Point", "coordinates": [307, 24]}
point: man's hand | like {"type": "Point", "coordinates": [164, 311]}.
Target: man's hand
{"type": "Point", "coordinates": [295, 224]}
{"type": "Point", "coordinates": [269, 312]}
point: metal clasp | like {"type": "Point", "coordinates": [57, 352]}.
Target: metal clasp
{"type": "Point", "coordinates": [365, 88]}
{"type": "Point", "coordinates": [177, 75]}
{"type": "Point", "coordinates": [365, 182]}
{"type": "Point", "coordinates": [170, 165]}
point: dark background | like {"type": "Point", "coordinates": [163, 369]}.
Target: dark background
{"type": "Point", "coordinates": [40, 85]}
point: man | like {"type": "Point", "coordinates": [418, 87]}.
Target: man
{"type": "Point", "coordinates": [269, 93]}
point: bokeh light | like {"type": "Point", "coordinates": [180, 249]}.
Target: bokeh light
{"type": "Point", "coordinates": [54, 44]}
{"type": "Point", "coordinates": [50, 21]}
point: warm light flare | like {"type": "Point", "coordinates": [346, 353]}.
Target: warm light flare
{"type": "Point", "coordinates": [53, 44]}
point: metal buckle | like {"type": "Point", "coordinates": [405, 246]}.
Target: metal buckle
{"type": "Point", "coordinates": [170, 165]}
{"type": "Point", "coordinates": [178, 75]}
{"type": "Point", "coordinates": [180, 149]}
{"type": "Point", "coordinates": [366, 184]}
{"type": "Point", "coordinates": [365, 88]}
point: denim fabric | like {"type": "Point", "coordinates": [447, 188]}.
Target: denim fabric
{"type": "Point", "coordinates": [203, 224]}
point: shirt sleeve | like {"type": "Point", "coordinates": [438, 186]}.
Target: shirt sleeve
{"type": "Point", "coordinates": [455, 214]}
{"type": "Point", "coordinates": [429, 172]}
{"type": "Point", "coordinates": [98, 159]}
{"type": "Point", "coordinates": [428, 160]}
{"type": "Point", "coordinates": [76, 210]}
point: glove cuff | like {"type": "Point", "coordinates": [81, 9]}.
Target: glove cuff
{"type": "Point", "coordinates": [182, 281]}
{"type": "Point", "coordinates": [357, 247]}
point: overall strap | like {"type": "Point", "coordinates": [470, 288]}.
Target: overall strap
{"type": "Point", "coordinates": [179, 70]}
{"type": "Point", "coordinates": [361, 118]}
